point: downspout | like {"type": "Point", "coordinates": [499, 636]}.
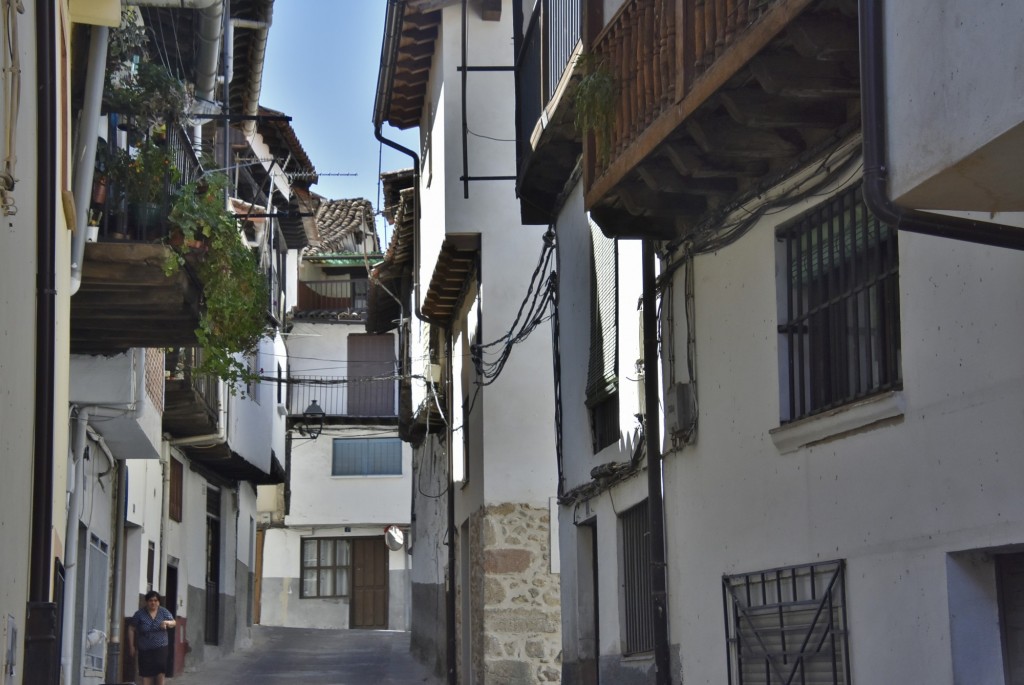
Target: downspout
{"type": "Point", "coordinates": [872, 68]}
{"type": "Point", "coordinates": [117, 603]}
{"type": "Point", "coordinates": [381, 105]}
{"type": "Point", "coordinates": [655, 485]}
{"type": "Point", "coordinates": [451, 647]}
{"type": "Point", "coordinates": [41, 652]}
{"type": "Point", "coordinates": [85, 150]}
{"type": "Point", "coordinates": [71, 539]}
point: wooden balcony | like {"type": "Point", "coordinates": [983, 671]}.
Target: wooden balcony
{"type": "Point", "coordinates": [191, 399]}
{"type": "Point", "coordinates": [125, 299]}
{"type": "Point", "coordinates": [327, 301]}
{"type": "Point", "coordinates": [714, 98]}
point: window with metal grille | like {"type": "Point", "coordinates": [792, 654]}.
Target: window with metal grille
{"type": "Point", "coordinates": [367, 457]}
{"type": "Point", "coordinates": [788, 625]}
{"type": "Point", "coordinates": [636, 579]}
{"type": "Point", "coordinates": [325, 567]}
{"type": "Point", "coordinates": [95, 601]}
{"type": "Point", "coordinates": [839, 321]}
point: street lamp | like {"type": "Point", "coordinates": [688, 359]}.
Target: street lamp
{"type": "Point", "coordinates": [312, 421]}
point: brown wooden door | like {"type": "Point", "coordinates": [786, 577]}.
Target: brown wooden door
{"type": "Point", "coordinates": [369, 583]}
{"type": "Point", "coordinates": [371, 356]}
{"type": "Point", "coordinates": [257, 578]}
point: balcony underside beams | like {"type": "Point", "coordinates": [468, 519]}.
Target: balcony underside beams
{"type": "Point", "coordinates": [127, 301]}
{"type": "Point", "coordinates": [778, 88]}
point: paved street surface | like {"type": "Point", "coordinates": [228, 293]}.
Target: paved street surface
{"type": "Point", "coordinates": [297, 656]}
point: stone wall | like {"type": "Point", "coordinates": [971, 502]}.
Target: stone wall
{"type": "Point", "coordinates": [516, 607]}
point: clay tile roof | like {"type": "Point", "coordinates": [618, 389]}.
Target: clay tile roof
{"type": "Point", "coordinates": [284, 143]}
{"type": "Point", "coordinates": [340, 226]}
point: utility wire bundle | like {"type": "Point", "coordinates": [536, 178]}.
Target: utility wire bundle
{"type": "Point", "coordinates": [532, 312]}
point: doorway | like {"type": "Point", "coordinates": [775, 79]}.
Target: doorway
{"type": "Point", "coordinates": [171, 603]}
{"type": "Point", "coordinates": [369, 584]}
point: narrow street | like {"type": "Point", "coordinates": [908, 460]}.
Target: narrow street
{"type": "Point", "coordinates": [287, 656]}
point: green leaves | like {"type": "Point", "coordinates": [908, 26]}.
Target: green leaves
{"type": "Point", "coordinates": [234, 317]}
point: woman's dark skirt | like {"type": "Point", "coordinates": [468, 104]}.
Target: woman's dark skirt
{"type": "Point", "coordinates": [152, 661]}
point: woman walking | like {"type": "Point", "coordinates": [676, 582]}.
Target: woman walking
{"type": "Point", "coordinates": [148, 632]}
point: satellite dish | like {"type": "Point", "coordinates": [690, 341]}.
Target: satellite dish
{"type": "Point", "coordinates": [394, 538]}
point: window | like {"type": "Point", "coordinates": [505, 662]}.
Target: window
{"type": "Point", "coordinates": [95, 601]}
{"type": "Point", "coordinates": [367, 457]}
{"type": "Point", "coordinates": [252, 387]}
{"type": "Point", "coordinates": [636, 576]}
{"type": "Point", "coordinates": [788, 625]}
{"type": "Point", "coordinates": [602, 374]}
{"type": "Point", "coordinates": [325, 567]}
{"type": "Point", "coordinates": [177, 490]}
{"type": "Point", "coordinates": [839, 327]}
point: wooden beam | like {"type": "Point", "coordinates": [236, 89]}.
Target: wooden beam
{"type": "Point", "coordinates": [757, 109]}
{"type": "Point", "coordinates": [800, 77]}
{"type": "Point", "coordinates": [747, 44]}
{"type": "Point", "coordinates": [722, 137]}
{"type": "Point", "coordinates": [823, 37]}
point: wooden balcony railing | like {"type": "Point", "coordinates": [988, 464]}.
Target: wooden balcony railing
{"type": "Point", "coordinates": [656, 51]}
{"type": "Point", "coordinates": [332, 297]}
{"type": "Point", "coordinates": [180, 365]}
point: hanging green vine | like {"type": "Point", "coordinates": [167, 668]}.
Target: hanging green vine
{"type": "Point", "coordinates": [234, 317]}
{"type": "Point", "coordinates": [594, 101]}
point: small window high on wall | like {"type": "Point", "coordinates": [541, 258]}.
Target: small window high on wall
{"type": "Point", "coordinates": [367, 457]}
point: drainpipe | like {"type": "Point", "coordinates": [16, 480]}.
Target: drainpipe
{"type": "Point", "coordinates": [873, 98]}
{"type": "Point", "coordinates": [382, 103]}
{"type": "Point", "coordinates": [655, 485]}
{"type": "Point", "coordinates": [71, 539]}
{"type": "Point", "coordinates": [117, 602]}
{"type": "Point", "coordinates": [85, 151]}
{"type": "Point", "coordinates": [41, 612]}
{"type": "Point", "coordinates": [452, 643]}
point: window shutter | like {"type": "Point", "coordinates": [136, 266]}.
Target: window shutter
{"type": "Point", "coordinates": [602, 376]}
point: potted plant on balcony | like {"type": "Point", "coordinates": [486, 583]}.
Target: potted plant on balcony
{"type": "Point", "coordinates": [234, 318]}
{"type": "Point", "coordinates": [143, 177]}
{"type": "Point", "coordinates": [141, 92]}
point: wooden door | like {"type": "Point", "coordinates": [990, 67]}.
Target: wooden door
{"type": "Point", "coordinates": [369, 583]}
{"type": "Point", "coordinates": [257, 577]}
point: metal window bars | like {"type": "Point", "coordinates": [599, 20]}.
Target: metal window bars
{"type": "Point", "coordinates": [839, 329]}
{"type": "Point", "coordinates": [787, 625]}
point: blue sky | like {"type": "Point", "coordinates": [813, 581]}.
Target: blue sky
{"type": "Point", "coordinates": [321, 69]}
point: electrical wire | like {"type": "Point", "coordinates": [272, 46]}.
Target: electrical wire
{"type": "Point", "coordinates": [533, 311]}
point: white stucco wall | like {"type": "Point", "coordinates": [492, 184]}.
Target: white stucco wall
{"type": "Point", "coordinates": [893, 500]}
{"type": "Point", "coordinates": [955, 71]}
{"type": "Point", "coordinates": [254, 422]}
{"type": "Point", "coordinates": [518, 464]}
{"type": "Point", "coordinates": [318, 498]}
{"type": "Point", "coordinates": [903, 502]}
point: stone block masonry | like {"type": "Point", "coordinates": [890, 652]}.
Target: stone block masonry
{"type": "Point", "coordinates": [515, 600]}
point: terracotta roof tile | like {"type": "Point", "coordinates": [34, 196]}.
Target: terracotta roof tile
{"type": "Point", "coordinates": [342, 227]}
